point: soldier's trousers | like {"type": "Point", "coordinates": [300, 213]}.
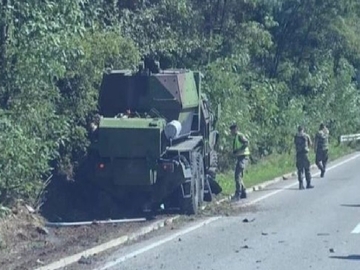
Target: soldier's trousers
{"type": "Point", "coordinates": [321, 159]}
{"type": "Point", "coordinates": [303, 165]}
{"type": "Point", "coordinates": [241, 162]}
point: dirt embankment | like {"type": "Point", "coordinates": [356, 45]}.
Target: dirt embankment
{"type": "Point", "coordinates": [25, 243]}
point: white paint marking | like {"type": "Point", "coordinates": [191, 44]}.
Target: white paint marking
{"type": "Point", "coordinates": [357, 229]}
{"type": "Point", "coordinates": [294, 184]}
{"type": "Point", "coordinates": [158, 243]}
{"type": "Point", "coordinates": [208, 221]}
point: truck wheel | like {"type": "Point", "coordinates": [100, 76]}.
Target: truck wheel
{"type": "Point", "coordinates": [190, 206]}
{"type": "Point", "coordinates": [201, 176]}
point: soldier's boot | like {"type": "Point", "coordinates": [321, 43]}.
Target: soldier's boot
{"type": "Point", "coordinates": [308, 185]}
{"type": "Point", "coordinates": [235, 197]}
{"type": "Point", "coordinates": [243, 194]}
{"type": "Point", "coordinates": [322, 173]}
{"type": "Point", "coordinates": [308, 178]}
{"type": "Point", "coordinates": [301, 185]}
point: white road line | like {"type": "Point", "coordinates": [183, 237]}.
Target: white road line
{"type": "Point", "coordinates": [158, 243]}
{"type": "Point", "coordinates": [208, 221]}
{"type": "Point", "coordinates": [357, 229]}
{"type": "Point", "coordinates": [296, 183]}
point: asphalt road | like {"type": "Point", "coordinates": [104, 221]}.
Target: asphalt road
{"type": "Point", "coordinates": [290, 229]}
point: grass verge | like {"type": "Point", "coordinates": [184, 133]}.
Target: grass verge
{"type": "Point", "coordinates": [274, 166]}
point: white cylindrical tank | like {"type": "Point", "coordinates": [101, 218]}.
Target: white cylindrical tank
{"type": "Point", "coordinates": [172, 129]}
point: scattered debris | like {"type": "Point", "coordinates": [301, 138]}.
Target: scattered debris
{"type": "Point", "coordinates": [323, 234]}
{"type": "Point", "coordinates": [42, 230]}
{"type": "Point", "coordinates": [32, 243]}
{"type": "Point", "coordinates": [332, 250]}
{"type": "Point", "coordinates": [30, 208]}
{"type": "Point", "coordinates": [258, 261]}
{"type": "Point", "coordinates": [85, 260]}
{"type": "Point", "coordinates": [284, 177]}
{"type": "Point", "coordinates": [246, 247]}
{"type": "Point", "coordinates": [264, 233]}
{"type": "Point", "coordinates": [40, 261]}
{"type": "Point", "coordinates": [245, 220]}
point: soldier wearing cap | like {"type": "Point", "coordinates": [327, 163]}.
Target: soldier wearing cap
{"type": "Point", "coordinates": [241, 152]}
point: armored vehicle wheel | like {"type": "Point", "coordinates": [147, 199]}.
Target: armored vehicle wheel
{"type": "Point", "coordinates": [190, 204]}
{"type": "Point", "coordinates": [201, 176]}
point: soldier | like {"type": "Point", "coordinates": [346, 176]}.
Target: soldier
{"type": "Point", "coordinates": [302, 143]}
{"type": "Point", "coordinates": [94, 127]}
{"type": "Point", "coordinates": [241, 152]}
{"type": "Point", "coordinates": [321, 146]}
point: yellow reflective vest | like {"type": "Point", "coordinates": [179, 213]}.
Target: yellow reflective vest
{"type": "Point", "coordinates": [237, 145]}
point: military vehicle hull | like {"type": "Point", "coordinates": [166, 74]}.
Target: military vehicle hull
{"type": "Point", "coordinates": [155, 141]}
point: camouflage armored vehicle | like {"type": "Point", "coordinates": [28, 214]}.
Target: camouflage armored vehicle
{"type": "Point", "coordinates": [155, 140]}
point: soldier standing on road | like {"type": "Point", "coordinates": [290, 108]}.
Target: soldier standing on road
{"type": "Point", "coordinates": [241, 152]}
{"type": "Point", "coordinates": [321, 146]}
{"type": "Point", "coordinates": [302, 143]}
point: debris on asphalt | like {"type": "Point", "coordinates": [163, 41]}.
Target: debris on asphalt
{"type": "Point", "coordinates": [245, 220]}
{"type": "Point", "coordinates": [40, 261]}
{"type": "Point", "coordinates": [42, 230]}
{"type": "Point", "coordinates": [30, 209]}
{"type": "Point", "coordinates": [323, 234]}
{"type": "Point", "coordinates": [332, 250]}
{"type": "Point", "coordinates": [85, 260]}
{"type": "Point", "coordinates": [246, 247]}
{"type": "Point", "coordinates": [264, 233]}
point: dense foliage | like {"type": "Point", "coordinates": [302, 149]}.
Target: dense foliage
{"type": "Point", "coordinates": [272, 64]}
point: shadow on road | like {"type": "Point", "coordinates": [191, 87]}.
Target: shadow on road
{"type": "Point", "coordinates": [350, 257]}
{"type": "Point", "coordinates": [350, 205]}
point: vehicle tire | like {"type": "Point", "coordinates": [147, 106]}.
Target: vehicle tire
{"type": "Point", "coordinates": [190, 206]}
{"type": "Point", "coordinates": [201, 177]}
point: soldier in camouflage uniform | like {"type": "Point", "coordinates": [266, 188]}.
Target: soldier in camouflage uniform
{"type": "Point", "coordinates": [302, 143]}
{"type": "Point", "coordinates": [321, 146]}
{"type": "Point", "coordinates": [241, 152]}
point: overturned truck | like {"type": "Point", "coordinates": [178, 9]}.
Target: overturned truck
{"type": "Point", "coordinates": [155, 141]}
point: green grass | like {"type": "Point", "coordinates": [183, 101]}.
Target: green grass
{"type": "Point", "coordinates": [273, 166]}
